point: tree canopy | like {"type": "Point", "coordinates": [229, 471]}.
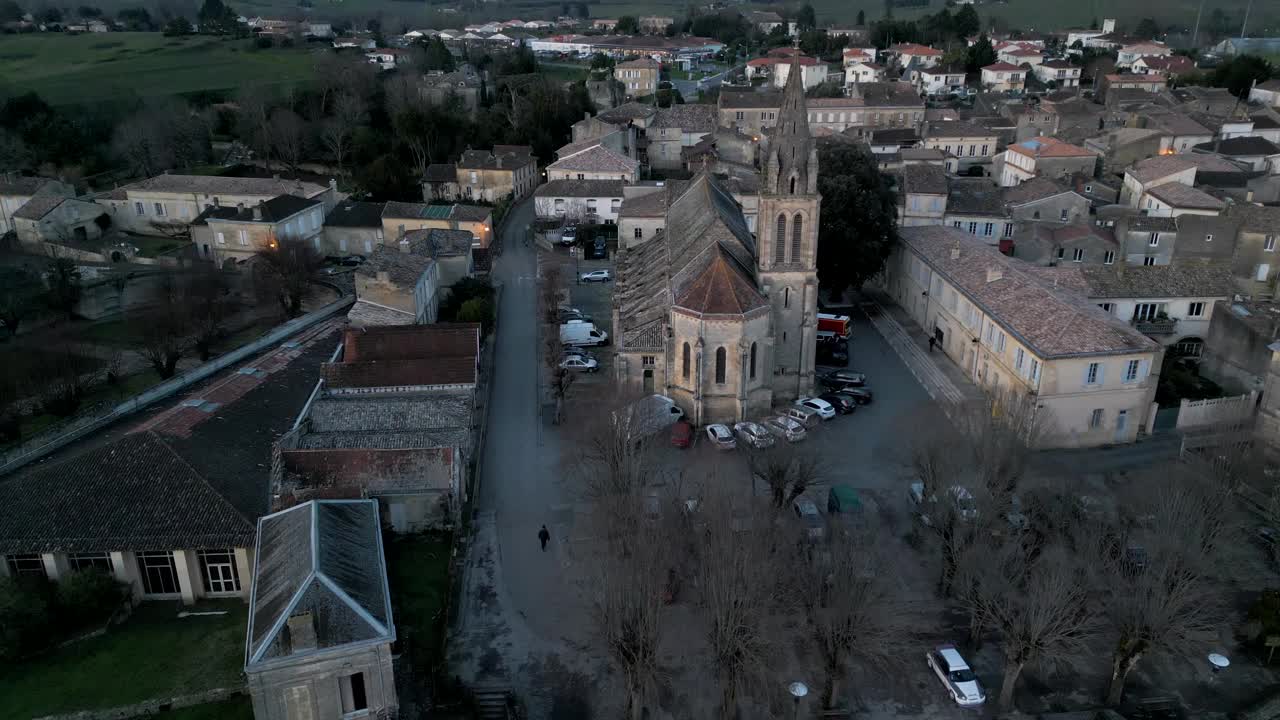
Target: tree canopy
{"type": "Point", "coordinates": [627, 25]}
{"type": "Point", "coordinates": [857, 227]}
{"type": "Point", "coordinates": [1239, 73]}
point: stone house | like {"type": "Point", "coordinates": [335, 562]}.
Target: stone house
{"type": "Point", "coordinates": [404, 279]}
{"type": "Point", "coordinates": [639, 77]}
{"type": "Point", "coordinates": [589, 202]}
{"type": "Point", "coordinates": [1174, 199]}
{"type": "Point", "coordinates": [236, 233]}
{"type": "Point", "coordinates": [675, 128]}
{"type": "Point", "coordinates": [1153, 84]}
{"type": "Point", "coordinates": [1171, 304]}
{"type": "Point", "coordinates": [1126, 145]}
{"type": "Point", "coordinates": [489, 176]}
{"type": "Point", "coordinates": [748, 111]}
{"type": "Point", "coordinates": [1044, 200]}
{"type": "Point", "coordinates": [353, 227]}
{"type": "Point", "coordinates": [462, 85]}
{"type": "Point", "coordinates": [939, 80]}
{"type": "Point", "coordinates": [976, 206]}
{"type": "Point", "coordinates": [112, 509]}
{"type": "Point", "coordinates": [1205, 238]}
{"type": "Point", "coordinates": [1009, 329]}
{"type": "Point", "coordinates": [440, 183]}
{"type": "Point", "coordinates": [1267, 93]}
{"type": "Point", "coordinates": [863, 72]}
{"type": "Point", "coordinates": [320, 625]}
{"type": "Point", "coordinates": [644, 211]}
{"type": "Point", "coordinates": [1152, 172]}
{"type": "Point", "coordinates": [17, 190]}
{"type": "Point", "coordinates": [1182, 132]}
{"type": "Point", "coordinates": [591, 160]}
{"type": "Point", "coordinates": [922, 199]}
{"type": "Point", "coordinates": [905, 54]}
{"type": "Point", "coordinates": [1059, 72]}
{"type": "Point", "coordinates": [390, 419]}
{"type": "Point", "coordinates": [1044, 156]}
{"type": "Point", "coordinates": [1050, 244]}
{"type": "Point", "coordinates": [1098, 191]}
{"type": "Point", "coordinates": [971, 144]}
{"type": "Point", "coordinates": [1255, 264]}
{"type": "Point", "coordinates": [1256, 153]}
{"type": "Point", "coordinates": [168, 204]}
{"type": "Point", "coordinates": [400, 217]}
{"type": "Point", "coordinates": [59, 220]}
{"type": "Point", "coordinates": [1239, 349]}
{"type": "Point", "coordinates": [1129, 54]}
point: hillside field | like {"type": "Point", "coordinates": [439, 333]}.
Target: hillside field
{"type": "Point", "coordinates": [95, 67]}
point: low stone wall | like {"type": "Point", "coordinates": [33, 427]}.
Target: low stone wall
{"type": "Point", "coordinates": [151, 707]}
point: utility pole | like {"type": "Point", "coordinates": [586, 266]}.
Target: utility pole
{"type": "Point", "coordinates": [1245, 24]}
{"type": "Point", "coordinates": [1196, 32]}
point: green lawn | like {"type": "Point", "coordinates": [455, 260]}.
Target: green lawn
{"type": "Point", "coordinates": [154, 654]}
{"type": "Point", "coordinates": [418, 566]}
{"type": "Point", "coordinates": [93, 67]}
{"type": "Point", "coordinates": [240, 708]}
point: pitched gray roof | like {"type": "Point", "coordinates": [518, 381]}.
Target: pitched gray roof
{"type": "Point", "coordinates": [924, 178]}
{"type": "Point", "coordinates": [1037, 188]}
{"type": "Point", "coordinates": [626, 112]}
{"type": "Point", "coordinates": [1154, 168]}
{"type": "Point", "coordinates": [580, 188]}
{"type": "Point", "coordinates": [957, 128]}
{"type": "Point", "coordinates": [689, 117]}
{"type": "Point", "coordinates": [38, 206]}
{"type": "Point", "coordinates": [1053, 322]}
{"type": "Point", "coordinates": [277, 209]}
{"type": "Point", "coordinates": [1257, 218]}
{"type": "Point", "coordinates": [323, 559]}
{"type": "Point", "coordinates": [749, 99]}
{"type": "Point", "coordinates": [135, 493]}
{"type": "Point", "coordinates": [352, 213]}
{"type": "Point", "coordinates": [402, 268]}
{"type": "Point", "coordinates": [975, 196]}
{"type": "Point", "coordinates": [1241, 146]}
{"type": "Point", "coordinates": [596, 158]}
{"type": "Point", "coordinates": [1185, 196]}
{"type": "Point", "coordinates": [218, 185]}
{"type": "Point", "coordinates": [1153, 281]}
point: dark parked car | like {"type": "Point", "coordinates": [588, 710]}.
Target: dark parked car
{"type": "Point", "coordinates": [681, 434]}
{"type": "Point", "coordinates": [860, 395]}
{"type": "Point", "coordinates": [841, 379]}
{"type": "Point", "coordinates": [832, 354]}
{"type": "Point", "coordinates": [844, 404]}
{"type": "Point", "coordinates": [598, 250]}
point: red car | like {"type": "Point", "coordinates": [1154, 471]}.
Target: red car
{"type": "Point", "coordinates": [681, 434]}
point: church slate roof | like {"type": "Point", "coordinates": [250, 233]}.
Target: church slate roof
{"type": "Point", "coordinates": [721, 289]}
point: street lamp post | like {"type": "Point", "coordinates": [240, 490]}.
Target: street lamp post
{"type": "Point", "coordinates": [798, 690]}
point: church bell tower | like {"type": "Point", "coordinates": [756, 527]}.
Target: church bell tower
{"type": "Point", "coordinates": [787, 240]}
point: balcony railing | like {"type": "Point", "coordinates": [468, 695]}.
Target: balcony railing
{"type": "Point", "coordinates": [1155, 326]}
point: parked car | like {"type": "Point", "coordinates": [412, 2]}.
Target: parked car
{"type": "Point", "coordinates": [956, 676]}
{"type": "Point", "coordinates": [577, 363]}
{"type": "Point", "coordinates": [580, 333]}
{"type": "Point", "coordinates": [603, 276]}
{"type": "Point", "coordinates": [721, 437]}
{"type": "Point", "coordinates": [848, 377]}
{"type": "Point", "coordinates": [844, 404]}
{"type": "Point", "coordinates": [598, 250]}
{"type": "Point", "coordinates": [807, 512]}
{"type": "Point", "coordinates": [843, 499]}
{"type": "Point", "coordinates": [823, 408]}
{"type": "Point", "coordinates": [577, 352]}
{"type": "Point", "coordinates": [569, 236]}
{"type": "Point", "coordinates": [785, 427]}
{"type": "Point", "coordinates": [832, 354]}
{"type": "Point", "coordinates": [681, 434]}
{"type": "Point", "coordinates": [860, 395]}
{"type": "Point", "coordinates": [807, 417]}
{"type": "Point", "coordinates": [753, 434]}
{"type": "Point", "coordinates": [567, 314]}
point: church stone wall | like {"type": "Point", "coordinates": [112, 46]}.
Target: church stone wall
{"type": "Point", "coordinates": [739, 397]}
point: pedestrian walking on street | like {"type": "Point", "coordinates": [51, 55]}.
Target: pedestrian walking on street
{"type": "Point", "coordinates": [543, 536]}
{"type": "Point", "coordinates": [932, 341]}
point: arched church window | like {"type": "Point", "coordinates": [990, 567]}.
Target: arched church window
{"type": "Point", "coordinates": [720, 363]}
{"type": "Point", "coordinates": [797, 231]}
{"type": "Point", "coordinates": [780, 239]}
{"type": "Point", "coordinates": [753, 361]}
{"type": "Point", "coordinates": [793, 184]}
{"type": "Point", "coordinates": [684, 362]}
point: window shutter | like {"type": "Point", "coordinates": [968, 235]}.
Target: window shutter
{"type": "Point", "coordinates": [1102, 373]}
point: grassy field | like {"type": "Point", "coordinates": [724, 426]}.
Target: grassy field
{"type": "Point", "coordinates": [153, 654]}
{"type": "Point", "coordinates": [94, 67]}
{"type": "Point", "coordinates": [240, 708]}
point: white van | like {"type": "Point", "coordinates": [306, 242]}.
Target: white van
{"type": "Point", "coordinates": [582, 334]}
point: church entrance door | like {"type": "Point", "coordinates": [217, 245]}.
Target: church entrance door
{"type": "Point", "coordinates": [648, 382]}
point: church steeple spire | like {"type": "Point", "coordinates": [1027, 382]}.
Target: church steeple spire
{"type": "Point", "coordinates": [789, 170]}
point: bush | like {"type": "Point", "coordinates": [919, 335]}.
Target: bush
{"type": "Point", "coordinates": [477, 310]}
{"type": "Point", "coordinates": [24, 616]}
{"type": "Point", "coordinates": [459, 293]}
{"type": "Point", "coordinates": [87, 596]}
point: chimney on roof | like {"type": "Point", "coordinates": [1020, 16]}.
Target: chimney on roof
{"type": "Point", "coordinates": [994, 273]}
{"type": "Point", "coordinates": [955, 251]}
{"type": "Point", "coordinates": [257, 211]}
{"type": "Point", "coordinates": [404, 244]}
{"type": "Point", "coordinates": [302, 632]}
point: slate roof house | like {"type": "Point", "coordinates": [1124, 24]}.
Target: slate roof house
{"type": "Point", "coordinates": [320, 622]}
{"type": "Point", "coordinates": [391, 419]}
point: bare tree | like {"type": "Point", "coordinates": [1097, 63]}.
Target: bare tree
{"type": "Point", "coordinates": [1040, 600]}
{"type": "Point", "coordinates": [738, 573]}
{"type": "Point", "coordinates": [253, 122]}
{"type": "Point", "coordinates": [855, 606]}
{"type": "Point", "coordinates": [161, 331]}
{"type": "Point", "coordinates": [349, 112]}
{"type": "Point", "coordinates": [559, 379]}
{"type": "Point", "coordinates": [20, 292]}
{"type": "Point", "coordinates": [1160, 596]}
{"type": "Point", "coordinates": [288, 137]}
{"type": "Point", "coordinates": [787, 471]}
{"type": "Point", "coordinates": [208, 303]}
{"type": "Point", "coordinates": [285, 272]}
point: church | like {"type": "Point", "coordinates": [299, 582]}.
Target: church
{"type": "Point", "coordinates": [720, 320]}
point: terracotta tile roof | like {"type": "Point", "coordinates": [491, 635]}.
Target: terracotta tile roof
{"type": "Point", "coordinates": [1149, 281]}
{"type": "Point", "coordinates": [1256, 218]}
{"type": "Point", "coordinates": [914, 49]}
{"type": "Point", "coordinates": [1002, 67]}
{"type": "Point", "coordinates": [749, 99]}
{"type": "Point", "coordinates": [1184, 196]}
{"type": "Point", "coordinates": [1053, 322]}
{"type": "Point", "coordinates": [402, 268]}
{"type": "Point", "coordinates": [649, 205]}
{"type": "Point", "coordinates": [1037, 188]}
{"type": "Point", "coordinates": [1049, 147]}
{"type": "Point", "coordinates": [406, 355]}
{"type": "Point", "coordinates": [768, 61]}
{"type": "Point", "coordinates": [38, 206]}
{"type": "Point", "coordinates": [595, 158]}
{"type": "Point", "coordinates": [721, 289]}
{"type": "Point", "coordinates": [133, 493]}
{"type": "Point", "coordinates": [1154, 168]}
{"type": "Point", "coordinates": [642, 63]}
{"type": "Point", "coordinates": [689, 117]}
{"type": "Point", "coordinates": [218, 185]}
{"type": "Point", "coordinates": [626, 112]}
{"type": "Point", "coordinates": [1143, 79]}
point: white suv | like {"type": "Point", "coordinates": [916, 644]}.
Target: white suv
{"type": "Point", "coordinates": [825, 410]}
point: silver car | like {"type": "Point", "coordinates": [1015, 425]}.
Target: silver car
{"type": "Point", "coordinates": [785, 427]}
{"type": "Point", "coordinates": [753, 434]}
{"type": "Point", "coordinates": [721, 437]}
{"type": "Point", "coordinates": [810, 517]}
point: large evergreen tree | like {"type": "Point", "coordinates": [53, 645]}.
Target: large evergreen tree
{"type": "Point", "coordinates": [858, 222]}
